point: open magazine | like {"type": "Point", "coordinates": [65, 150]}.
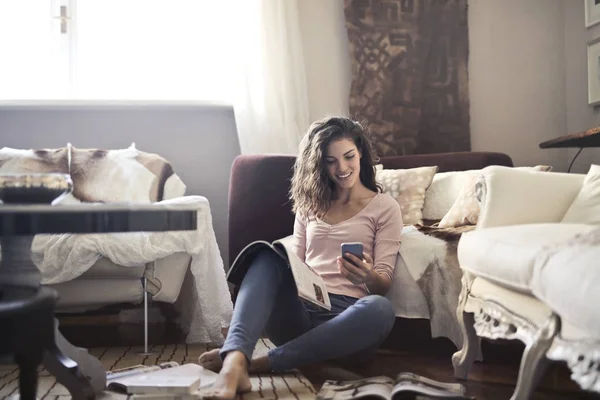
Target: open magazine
{"type": "Point", "coordinates": [310, 284]}
{"type": "Point", "coordinates": [406, 385]}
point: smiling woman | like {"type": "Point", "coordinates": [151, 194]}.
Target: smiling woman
{"type": "Point", "coordinates": [336, 200]}
{"type": "Point", "coordinates": [336, 146]}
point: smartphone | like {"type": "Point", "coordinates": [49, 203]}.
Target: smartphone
{"type": "Point", "coordinates": [355, 249]}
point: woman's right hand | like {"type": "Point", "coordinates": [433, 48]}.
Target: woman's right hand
{"type": "Point", "coordinates": [357, 271]}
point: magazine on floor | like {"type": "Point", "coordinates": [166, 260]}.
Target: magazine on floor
{"type": "Point", "coordinates": [162, 379]}
{"type": "Point", "coordinates": [310, 284]}
{"type": "Point", "coordinates": [406, 385]}
{"type": "Point", "coordinates": [138, 369]}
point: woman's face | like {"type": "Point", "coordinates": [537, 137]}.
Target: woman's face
{"type": "Point", "coordinates": [342, 160]}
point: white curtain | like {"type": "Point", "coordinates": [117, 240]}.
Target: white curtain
{"type": "Point", "coordinates": [270, 92]}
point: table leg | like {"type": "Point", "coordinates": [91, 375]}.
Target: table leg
{"type": "Point", "coordinates": [85, 366]}
{"type": "Point", "coordinates": [67, 373]}
{"type": "Point", "coordinates": [16, 268]}
{"type": "Point", "coordinates": [28, 364]}
{"type": "Point", "coordinates": [80, 372]}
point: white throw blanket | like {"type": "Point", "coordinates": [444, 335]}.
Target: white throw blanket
{"type": "Point", "coordinates": [207, 308]}
{"type": "Point", "coordinates": [427, 279]}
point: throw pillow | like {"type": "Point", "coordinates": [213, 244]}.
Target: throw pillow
{"type": "Point", "coordinates": [443, 192]}
{"type": "Point", "coordinates": [120, 175]}
{"type": "Point", "coordinates": [585, 209]}
{"type": "Point", "coordinates": [466, 207]}
{"type": "Point", "coordinates": [408, 187]}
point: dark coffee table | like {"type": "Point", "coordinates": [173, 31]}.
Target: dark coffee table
{"type": "Point", "coordinates": [81, 373]}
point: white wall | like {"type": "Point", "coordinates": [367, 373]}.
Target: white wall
{"type": "Point", "coordinates": [516, 78]}
{"type": "Point", "coordinates": [580, 116]}
{"type": "Point", "coordinates": [325, 47]}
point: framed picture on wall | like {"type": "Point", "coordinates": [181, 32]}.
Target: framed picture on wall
{"type": "Point", "coordinates": [593, 55]}
{"type": "Point", "coordinates": [592, 12]}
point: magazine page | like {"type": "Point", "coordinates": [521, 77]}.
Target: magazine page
{"type": "Point", "coordinates": [310, 284]}
{"type": "Point", "coordinates": [407, 382]}
{"type": "Point", "coordinates": [240, 265]}
{"type": "Point", "coordinates": [378, 387]}
{"type": "Point", "coordinates": [138, 369]}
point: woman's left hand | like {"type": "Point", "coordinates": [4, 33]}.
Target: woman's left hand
{"type": "Point", "coordinates": [356, 270]}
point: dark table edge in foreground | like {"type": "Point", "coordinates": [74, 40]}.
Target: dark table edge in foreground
{"type": "Point", "coordinates": [106, 218]}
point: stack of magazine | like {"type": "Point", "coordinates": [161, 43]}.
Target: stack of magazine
{"type": "Point", "coordinates": [406, 386]}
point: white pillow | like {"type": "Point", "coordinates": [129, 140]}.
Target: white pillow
{"type": "Point", "coordinates": [585, 209]}
{"type": "Point", "coordinates": [444, 191]}
{"type": "Point", "coordinates": [466, 206]}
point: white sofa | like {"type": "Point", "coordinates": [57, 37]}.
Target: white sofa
{"type": "Point", "coordinates": [531, 272]}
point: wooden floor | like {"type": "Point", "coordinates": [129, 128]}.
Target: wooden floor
{"type": "Point", "coordinates": [405, 350]}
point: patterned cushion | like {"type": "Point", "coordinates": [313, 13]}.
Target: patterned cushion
{"type": "Point", "coordinates": [408, 187]}
{"type": "Point", "coordinates": [442, 194]}
{"type": "Point", "coordinates": [466, 208]}
{"type": "Point", "coordinates": [119, 175]}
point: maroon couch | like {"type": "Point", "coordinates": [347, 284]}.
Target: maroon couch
{"type": "Point", "coordinates": [259, 207]}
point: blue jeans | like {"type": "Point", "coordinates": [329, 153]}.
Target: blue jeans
{"type": "Point", "coordinates": [304, 334]}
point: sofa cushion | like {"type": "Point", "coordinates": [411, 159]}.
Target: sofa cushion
{"type": "Point", "coordinates": [407, 187]}
{"type": "Point", "coordinates": [119, 175]}
{"type": "Point", "coordinates": [585, 209]}
{"type": "Point", "coordinates": [466, 207]}
{"type": "Point", "coordinates": [567, 278]}
{"type": "Point", "coordinates": [505, 255]}
{"type": "Point", "coordinates": [443, 192]}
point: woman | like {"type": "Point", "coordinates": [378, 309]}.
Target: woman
{"type": "Point", "coordinates": [336, 199]}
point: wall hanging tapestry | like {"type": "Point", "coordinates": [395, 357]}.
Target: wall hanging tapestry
{"type": "Point", "coordinates": [409, 73]}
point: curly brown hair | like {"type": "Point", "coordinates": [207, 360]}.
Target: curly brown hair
{"type": "Point", "coordinates": [312, 188]}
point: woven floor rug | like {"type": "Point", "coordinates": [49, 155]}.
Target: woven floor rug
{"type": "Point", "coordinates": [291, 385]}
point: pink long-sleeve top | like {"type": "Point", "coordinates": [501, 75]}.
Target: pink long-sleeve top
{"type": "Point", "coordinates": [377, 226]}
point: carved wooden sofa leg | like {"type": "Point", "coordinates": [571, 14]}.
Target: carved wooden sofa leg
{"type": "Point", "coordinates": [534, 361]}
{"type": "Point", "coordinates": [464, 358]}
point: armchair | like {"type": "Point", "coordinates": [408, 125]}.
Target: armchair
{"type": "Point", "coordinates": [94, 271]}
{"type": "Point", "coordinates": [527, 275]}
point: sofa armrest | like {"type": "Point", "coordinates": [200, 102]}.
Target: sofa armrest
{"type": "Point", "coordinates": [515, 196]}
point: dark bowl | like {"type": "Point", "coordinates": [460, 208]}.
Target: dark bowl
{"type": "Point", "coordinates": [34, 188]}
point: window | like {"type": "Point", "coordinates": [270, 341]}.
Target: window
{"type": "Point", "coordinates": [115, 49]}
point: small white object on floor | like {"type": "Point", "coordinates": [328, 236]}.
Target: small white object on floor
{"type": "Point", "coordinates": [181, 380]}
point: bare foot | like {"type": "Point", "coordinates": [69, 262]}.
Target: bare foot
{"type": "Point", "coordinates": [232, 379]}
{"type": "Point", "coordinates": [211, 360]}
